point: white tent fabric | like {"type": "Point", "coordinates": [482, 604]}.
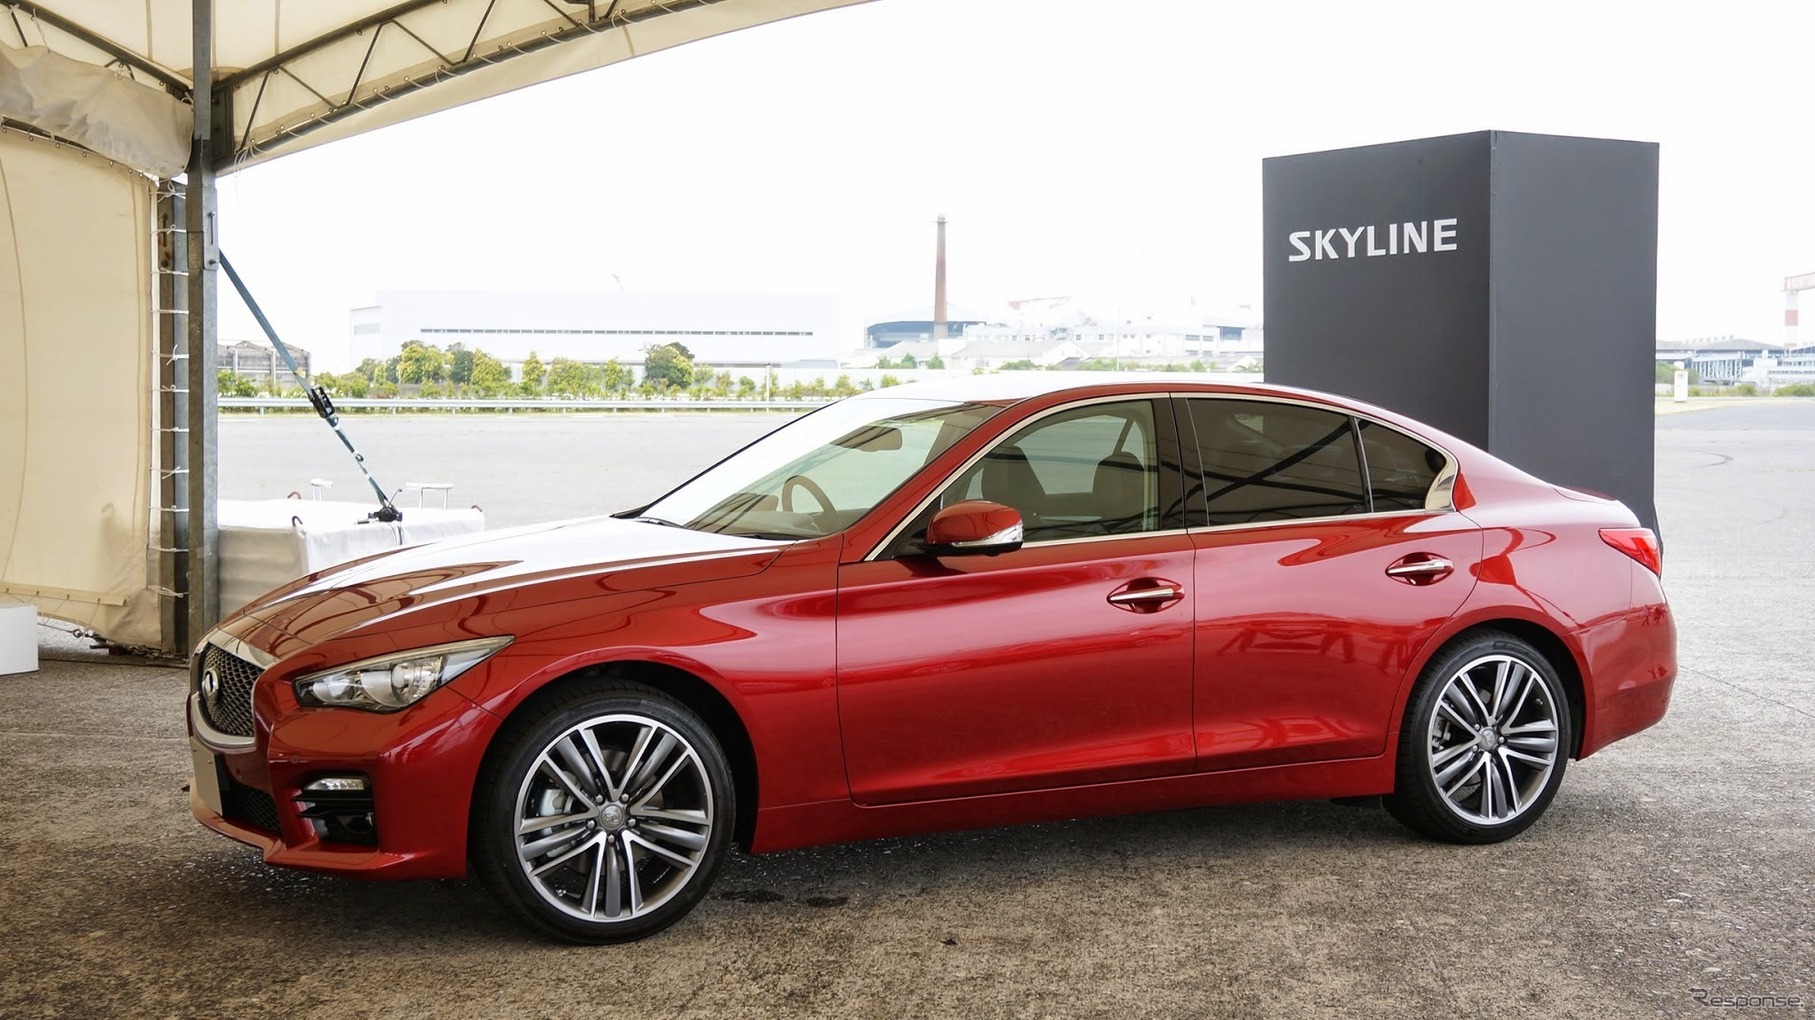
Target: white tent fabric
{"type": "Point", "coordinates": [143, 127]}
{"type": "Point", "coordinates": [296, 73]}
{"type": "Point", "coordinates": [75, 387]}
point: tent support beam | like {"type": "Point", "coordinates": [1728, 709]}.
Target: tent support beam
{"type": "Point", "coordinates": [449, 66]}
{"type": "Point", "coordinates": [200, 333]}
{"type": "Point", "coordinates": [174, 85]}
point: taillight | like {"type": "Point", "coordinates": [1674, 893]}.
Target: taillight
{"type": "Point", "coordinates": [1638, 543]}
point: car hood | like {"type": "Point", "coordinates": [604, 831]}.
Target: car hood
{"type": "Point", "coordinates": [521, 567]}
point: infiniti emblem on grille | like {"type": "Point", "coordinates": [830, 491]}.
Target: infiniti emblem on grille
{"type": "Point", "coordinates": [211, 688]}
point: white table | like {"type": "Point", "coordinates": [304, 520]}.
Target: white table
{"type": "Point", "coordinates": [265, 543]}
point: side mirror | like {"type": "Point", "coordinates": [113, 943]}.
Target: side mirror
{"type": "Point", "coordinates": [974, 526]}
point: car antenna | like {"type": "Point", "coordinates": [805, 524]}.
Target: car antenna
{"type": "Point", "coordinates": [324, 405]}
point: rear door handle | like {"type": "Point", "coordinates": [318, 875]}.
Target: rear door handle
{"type": "Point", "coordinates": [1146, 595]}
{"type": "Point", "coordinates": [1420, 568]}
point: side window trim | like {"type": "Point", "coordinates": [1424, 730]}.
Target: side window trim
{"type": "Point", "coordinates": [1361, 453]}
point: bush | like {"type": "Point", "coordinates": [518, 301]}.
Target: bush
{"type": "Point", "coordinates": [1801, 389]}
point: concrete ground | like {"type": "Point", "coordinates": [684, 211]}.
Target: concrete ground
{"type": "Point", "coordinates": [1676, 867]}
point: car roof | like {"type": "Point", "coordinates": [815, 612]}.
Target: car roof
{"type": "Point", "coordinates": [1013, 387]}
{"type": "Point", "coordinates": [1009, 388]}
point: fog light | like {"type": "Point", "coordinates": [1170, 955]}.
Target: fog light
{"type": "Point", "coordinates": [338, 784]}
{"type": "Point", "coordinates": [339, 808]}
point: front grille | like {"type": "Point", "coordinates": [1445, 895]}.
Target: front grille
{"type": "Point", "coordinates": [227, 697]}
{"type": "Point", "coordinates": [249, 806]}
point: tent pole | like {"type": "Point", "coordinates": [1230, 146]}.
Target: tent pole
{"type": "Point", "coordinates": [202, 331]}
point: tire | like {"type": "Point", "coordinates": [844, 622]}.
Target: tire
{"type": "Point", "coordinates": [642, 847]}
{"type": "Point", "coordinates": [1485, 743]}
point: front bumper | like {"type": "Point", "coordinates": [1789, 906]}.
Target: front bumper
{"type": "Point", "coordinates": [421, 763]}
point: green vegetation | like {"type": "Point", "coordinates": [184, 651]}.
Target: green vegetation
{"type": "Point", "coordinates": [1666, 373]}
{"type": "Point", "coordinates": [1801, 389]}
{"type": "Point", "coordinates": [532, 375]}
{"type": "Point", "coordinates": [668, 366]}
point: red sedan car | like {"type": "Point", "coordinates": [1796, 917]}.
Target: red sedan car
{"type": "Point", "coordinates": [937, 606]}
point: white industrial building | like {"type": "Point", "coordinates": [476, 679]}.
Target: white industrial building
{"type": "Point", "coordinates": [1055, 342]}
{"type": "Point", "coordinates": [1726, 360]}
{"type": "Point", "coordinates": [790, 330]}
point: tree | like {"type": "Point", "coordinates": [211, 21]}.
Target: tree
{"type": "Point", "coordinates": [421, 363]}
{"type": "Point", "coordinates": [888, 380]}
{"type": "Point", "coordinates": [907, 360]}
{"type": "Point", "coordinates": [842, 386]}
{"type": "Point", "coordinates": [573, 378]}
{"type": "Point", "coordinates": [617, 378]}
{"type": "Point", "coordinates": [372, 369]}
{"type": "Point", "coordinates": [347, 384]}
{"type": "Point", "coordinates": [935, 362]}
{"type": "Point", "coordinates": [489, 376]}
{"type": "Point", "coordinates": [746, 388]}
{"type": "Point", "coordinates": [231, 384]}
{"type": "Point", "coordinates": [1024, 365]}
{"type": "Point", "coordinates": [668, 366]}
{"type": "Point", "coordinates": [460, 364]}
{"type": "Point", "coordinates": [532, 374]}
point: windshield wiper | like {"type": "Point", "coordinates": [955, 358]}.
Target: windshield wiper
{"type": "Point", "coordinates": [658, 520]}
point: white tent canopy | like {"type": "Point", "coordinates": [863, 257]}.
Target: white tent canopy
{"type": "Point", "coordinates": [97, 98]}
{"type": "Point", "coordinates": [290, 74]}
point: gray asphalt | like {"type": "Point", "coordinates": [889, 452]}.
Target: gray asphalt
{"type": "Point", "coordinates": [1680, 859]}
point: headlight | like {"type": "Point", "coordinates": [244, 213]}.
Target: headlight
{"type": "Point", "coordinates": [391, 682]}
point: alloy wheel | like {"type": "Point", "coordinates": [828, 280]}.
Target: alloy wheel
{"type": "Point", "coordinates": [613, 818]}
{"type": "Point", "coordinates": [1493, 739]}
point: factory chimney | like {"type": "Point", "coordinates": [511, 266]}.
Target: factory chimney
{"type": "Point", "coordinates": [939, 325]}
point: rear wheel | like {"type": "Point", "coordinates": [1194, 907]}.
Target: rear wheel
{"type": "Point", "coordinates": [604, 817]}
{"type": "Point", "coordinates": [1485, 742]}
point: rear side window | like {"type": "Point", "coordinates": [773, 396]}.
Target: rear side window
{"type": "Point", "coordinates": [1276, 462]}
{"type": "Point", "coordinates": [1401, 470]}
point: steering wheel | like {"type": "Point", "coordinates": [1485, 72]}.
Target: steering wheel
{"type": "Point", "coordinates": [813, 489]}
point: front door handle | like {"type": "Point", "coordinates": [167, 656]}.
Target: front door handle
{"type": "Point", "coordinates": [1146, 595]}
{"type": "Point", "coordinates": [1420, 569]}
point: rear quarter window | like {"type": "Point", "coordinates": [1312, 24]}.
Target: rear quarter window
{"type": "Point", "coordinates": [1401, 470]}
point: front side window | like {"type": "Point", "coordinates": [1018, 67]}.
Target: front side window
{"type": "Point", "coordinates": [1083, 472]}
{"type": "Point", "coordinates": [1264, 461]}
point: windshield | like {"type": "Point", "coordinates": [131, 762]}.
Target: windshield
{"type": "Point", "coordinates": [820, 473]}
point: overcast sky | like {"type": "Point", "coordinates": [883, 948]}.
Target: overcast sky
{"type": "Point", "coordinates": [1105, 150]}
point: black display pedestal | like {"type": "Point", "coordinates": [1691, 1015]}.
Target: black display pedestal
{"type": "Point", "coordinates": [1498, 285]}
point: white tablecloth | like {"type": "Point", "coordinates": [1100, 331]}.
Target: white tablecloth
{"type": "Point", "coordinates": [266, 542]}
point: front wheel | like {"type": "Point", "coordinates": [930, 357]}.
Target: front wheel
{"type": "Point", "coordinates": [1485, 742]}
{"type": "Point", "coordinates": [605, 816]}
